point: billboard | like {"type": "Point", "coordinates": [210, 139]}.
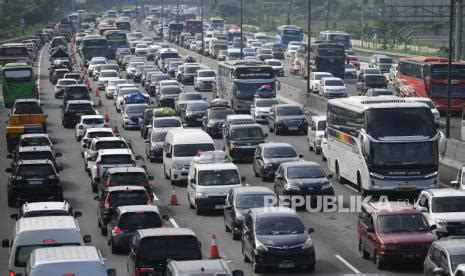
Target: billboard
{"type": "Point", "coordinates": [417, 11]}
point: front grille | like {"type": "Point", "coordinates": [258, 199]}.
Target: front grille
{"type": "Point", "coordinates": [411, 246]}
{"type": "Point", "coordinates": [217, 197]}
{"type": "Point", "coordinates": [293, 123]}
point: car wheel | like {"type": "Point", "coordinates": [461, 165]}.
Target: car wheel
{"type": "Point", "coordinates": [377, 260]}
{"type": "Point", "coordinates": [310, 147]}
{"type": "Point", "coordinates": [359, 183]}
{"type": "Point", "coordinates": [226, 227]}
{"type": "Point", "coordinates": [236, 235]}
{"type": "Point", "coordinates": [255, 172]}
{"type": "Point", "coordinates": [198, 211]}
{"type": "Point", "coordinates": [262, 176]}
{"type": "Point", "coordinates": [103, 230]}
{"type": "Point", "coordinates": [114, 249]}
{"type": "Point", "coordinates": [317, 150]}
{"type": "Point", "coordinates": [11, 200]}
{"type": "Point", "coordinates": [255, 268]}
{"type": "Point", "coordinates": [164, 172]}
{"type": "Point", "coordinates": [339, 178]}
{"type": "Point", "coordinates": [190, 203]}
{"type": "Point", "coordinates": [244, 256]}
{"type": "Point", "coordinates": [94, 186]}
{"type": "Point", "coordinates": [361, 248]}
{"type": "Point", "coordinates": [276, 131]}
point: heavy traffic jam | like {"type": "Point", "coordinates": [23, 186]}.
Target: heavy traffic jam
{"type": "Point", "coordinates": [148, 141]}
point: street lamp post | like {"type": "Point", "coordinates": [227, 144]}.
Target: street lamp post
{"type": "Point", "coordinates": [308, 48]}
{"type": "Point", "coordinates": [162, 19]}
{"type": "Point", "coordinates": [241, 29]}
{"type": "Point", "coordinates": [449, 66]}
{"type": "Point", "coordinates": [201, 15]}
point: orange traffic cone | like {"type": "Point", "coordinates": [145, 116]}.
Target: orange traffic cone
{"type": "Point", "coordinates": [214, 252]}
{"type": "Point", "coordinates": [106, 117]}
{"type": "Point", "coordinates": [174, 198]}
{"type": "Point", "coordinates": [97, 93]}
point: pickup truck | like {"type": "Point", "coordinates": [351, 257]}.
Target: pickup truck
{"type": "Point", "coordinates": [26, 117]}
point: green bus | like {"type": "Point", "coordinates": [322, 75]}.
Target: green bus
{"type": "Point", "coordinates": [93, 46]}
{"type": "Point", "coordinates": [115, 39]}
{"type": "Point", "coordinates": [18, 82]}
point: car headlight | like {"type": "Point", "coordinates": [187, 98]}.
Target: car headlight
{"type": "Point", "coordinates": [308, 243]}
{"type": "Point", "coordinates": [210, 124]}
{"type": "Point", "coordinates": [327, 186]}
{"type": "Point", "coordinates": [389, 247]}
{"type": "Point", "coordinates": [292, 187]}
{"type": "Point", "coordinates": [177, 166]}
{"type": "Point", "coordinates": [239, 217]}
{"type": "Point", "coordinates": [269, 165]}
{"type": "Point", "coordinates": [260, 246]}
{"type": "Point", "coordinates": [441, 222]}
{"type": "Point", "coordinates": [201, 195]}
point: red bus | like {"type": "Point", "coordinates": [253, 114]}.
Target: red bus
{"type": "Point", "coordinates": [427, 77]}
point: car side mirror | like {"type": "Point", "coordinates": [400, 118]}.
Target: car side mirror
{"type": "Point", "coordinates": [77, 214]}
{"type": "Point", "coordinates": [5, 243]}
{"type": "Point", "coordinates": [243, 179]}
{"type": "Point", "coordinates": [58, 154]}
{"type": "Point", "coordinates": [454, 183]}
{"type": "Point", "coordinates": [150, 177]}
{"type": "Point", "coordinates": [265, 135]}
{"type": "Point", "coordinates": [147, 141]}
{"type": "Point", "coordinates": [9, 170]}
{"type": "Point", "coordinates": [59, 168]}
{"type": "Point", "coordinates": [301, 156]}
{"type": "Point", "coordinates": [87, 239]}
{"type": "Point", "coordinates": [237, 273]}
{"type": "Point", "coordinates": [228, 207]}
{"type": "Point", "coordinates": [247, 232]}
{"type": "Point", "coordinates": [9, 156]}
{"type": "Point", "coordinates": [329, 176]}
{"type": "Point", "coordinates": [279, 177]}
{"type": "Point", "coordinates": [165, 217]}
{"type": "Point", "coordinates": [439, 271]}
{"type": "Point", "coordinates": [370, 229]}
{"type": "Point", "coordinates": [168, 155]}
{"type": "Point", "coordinates": [311, 230]}
{"type": "Point", "coordinates": [139, 157]}
{"type": "Point", "coordinates": [111, 272]}
{"type": "Point", "coordinates": [95, 197]}
{"type": "Point", "coordinates": [14, 216]}
{"type": "Point", "coordinates": [423, 209]}
{"type": "Point", "coordinates": [192, 181]}
{"type": "Point", "coordinates": [85, 146]}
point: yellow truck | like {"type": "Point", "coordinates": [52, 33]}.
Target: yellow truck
{"type": "Point", "coordinates": [26, 117]}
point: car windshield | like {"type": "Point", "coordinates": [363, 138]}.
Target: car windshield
{"type": "Point", "coordinates": [158, 136]}
{"type": "Point", "coordinates": [266, 102]}
{"type": "Point", "coordinates": [36, 141]}
{"type": "Point", "coordinates": [93, 121]}
{"type": "Point", "coordinates": [378, 79]}
{"type": "Point", "coordinates": [118, 144]}
{"type": "Point", "coordinates": [220, 114]}
{"type": "Point", "coordinates": [80, 107]}
{"type": "Point", "coordinates": [190, 69]}
{"type": "Point", "coordinates": [401, 223]}
{"type": "Point", "coordinates": [189, 96]}
{"type": "Point", "coordinates": [36, 170]}
{"type": "Point", "coordinates": [274, 63]}
{"type": "Point", "coordinates": [249, 201]}
{"type": "Point", "coordinates": [321, 125]}
{"type": "Point", "coordinates": [372, 71]}
{"type": "Point", "coordinates": [116, 82]}
{"type": "Point", "coordinates": [197, 107]}
{"type": "Point", "coordinates": [279, 152]}
{"type": "Point", "coordinates": [135, 108]}
{"type": "Point", "coordinates": [448, 204]}
{"type": "Point", "coordinates": [386, 60]}
{"type": "Point", "coordinates": [23, 252]}
{"type": "Point", "coordinates": [166, 122]}
{"type": "Point", "coordinates": [43, 213]}
{"type": "Point", "coordinates": [109, 74]}
{"type": "Point", "coordinates": [207, 74]}
{"type": "Point", "coordinates": [171, 90]}
{"type": "Point", "coordinates": [168, 247]}
{"type": "Point", "coordinates": [264, 52]}
{"type": "Point", "coordinates": [127, 197]}
{"type": "Point", "coordinates": [132, 221]}
{"type": "Point", "coordinates": [319, 76]}
{"type": "Point", "coordinates": [128, 178]}
{"type": "Point", "coordinates": [95, 134]}
{"type": "Point", "coordinates": [66, 82]}
{"type": "Point", "coordinates": [116, 159]}
{"type": "Point", "coordinates": [35, 155]}
{"type": "Point", "coordinates": [27, 108]}
{"type": "Point", "coordinates": [218, 177]}
{"type": "Point", "coordinates": [382, 93]}
{"type": "Point", "coordinates": [247, 133]}
{"type": "Point", "coordinates": [99, 61]}
{"type": "Point", "coordinates": [334, 83]}
{"type": "Point", "coordinates": [187, 150]}
{"type": "Point", "coordinates": [289, 111]}
{"type": "Point", "coordinates": [305, 172]}
{"type": "Point", "coordinates": [279, 225]}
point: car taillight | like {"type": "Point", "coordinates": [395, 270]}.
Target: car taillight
{"type": "Point", "coordinates": [143, 270]}
{"type": "Point", "coordinates": [86, 140]}
{"type": "Point", "coordinates": [97, 164]}
{"type": "Point", "coordinates": [107, 205]}
{"type": "Point", "coordinates": [134, 163]}
{"type": "Point", "coordinates": [81, 127]}
{"type": "Point", "coordinates": [12, 273]}
{"type": "Point", "coordinates": [116, 230]}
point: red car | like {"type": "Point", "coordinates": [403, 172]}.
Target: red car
{"type": "Point", "coordinates": [354, 60]}
{"type": "Point", "coordinates": [294, 68]}
{"type": "Point", "coordinates": [393, 232]}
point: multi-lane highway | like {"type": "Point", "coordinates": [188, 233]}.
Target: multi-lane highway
{"type": "Point", "coordinates": [335, 237]}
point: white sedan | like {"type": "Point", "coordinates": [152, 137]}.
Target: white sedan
{"type": "Point", "coordinates": [88, 121]}
{"type": "Point", "coordinates": [92, 133]}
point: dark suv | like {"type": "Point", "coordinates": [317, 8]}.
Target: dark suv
{"type": "Point", "coordinates": [213, 121]}
{"type": "Point", "coordinates": [72, 112]}
{"type": "Point", "coordinates": [393, 232]}
{"type": "Point", "coordinates": [75, 92]}
{"type": "Point", "coordinates": [269, 156]}
{"type": "Point", "coordinates": [287, 117]}
{"type": "Point", "coordinates": [33, 180]}
{"type": "Point", "coordinates": [240, 141]}
{"type": "Point", "coordinates": [368, 81]}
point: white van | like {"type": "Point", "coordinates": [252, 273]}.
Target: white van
{"type": "Point", "coordinates": [316, 132]}
{"type": "Point", "coordinates": [233, 54]}
{"type": "Point", "coordinates": [67, 260]}
{"type": "Point", "coordinates": [211, 177]}
{"type": "Point", "coordinates": [207, 267]}
{"type": "Point", "coordinates": [37, 232]}
{"type": "Point", "coordinates": [181, 145]}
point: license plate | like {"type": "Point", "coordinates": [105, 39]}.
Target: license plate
{"type": "Point", "coordinates": [219, 207]}
{"type": "Point", "coordinates": [286, 265]}
{"type": "Point", "coordinates": [405, 189]}
{"type": "Point", "coordinates": [35, 182]}
{"type": "Point", "coordinates": [293, 128]}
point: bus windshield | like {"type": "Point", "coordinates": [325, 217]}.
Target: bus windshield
{"type": "Point", "coordinates": [19, 75]}
{"type": "Point", "coordinates": [389, 122]}
{"type": "Point", "coordinates": [439, 71]}
{"type": "Point", "coordinates": [246, 91]}
{"type": "Point", "coordinates": [394, 154]}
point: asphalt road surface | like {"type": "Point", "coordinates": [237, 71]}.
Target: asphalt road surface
{"type": "Point", "coordinates": [335, 237]}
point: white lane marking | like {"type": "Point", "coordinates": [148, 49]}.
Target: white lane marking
{"type": "Point", "coordinates": [350, 187]}
{"type": "Point", "coordinates": [174, 223]}
{"type": "Point", "coordinates": [351, 267]}
{"type": "Point", "coordinates": [38, 71]}
{"type": "Point", "coordinates": [155, 198]}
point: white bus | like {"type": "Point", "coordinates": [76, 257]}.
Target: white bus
{"type": "Point", "coordinates": [383, 144]}
{"type": "Point", "coordinates": [238, 81]}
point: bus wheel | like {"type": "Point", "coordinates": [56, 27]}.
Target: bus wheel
{"type": "Point", "coordinates": [339, 178]}
{"type": "Point", "coordinates": [359, 183]}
